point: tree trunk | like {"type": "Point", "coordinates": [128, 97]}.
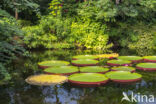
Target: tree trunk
{"type": "Point", "coordinates": [16, 13]}
{"type": "Point", "coordinates": [117, 1]}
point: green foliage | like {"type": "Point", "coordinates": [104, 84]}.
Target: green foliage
{"type": "Point", "coordinates": [9, 42]}
{"type": "Point", "coordinates": [55, 7]}
{"type": "Point", "coordinates": [89, 35]}
{"type": "Point", "coordinates": [20, 5]}
{"type": "Point", "coordinates": [49, 31]}
{"type": "Point", "coordinates": [146, 41]}
{"type": "Point", "coordinates": [23, 23]}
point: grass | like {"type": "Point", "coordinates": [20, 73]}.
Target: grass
{"type": "Point", "coordinates": [85, 61]}
{"type": "Point", "coordinates": [123, 68]}
{"type": "Point", "coordinates": [93, 69]}
{"type": "Point", "coordinates": [146, 65]}
{"type": "Point", "coordinates": [119, 61]}
{"type": "Point", "coordinates": [62, 69]}
{"type": "Point", "coordinates": [150, 57]}
{"type": "Point", "coordinates": [85, 57]}
{"type": "Point", "coordinates": [123, 75]}
{"type": "Point", "coordinates": [130, 58]}
{"type": "Point", "coordinates": [88, 77]}
{"type": "Point", "coordinates": [53, 63]}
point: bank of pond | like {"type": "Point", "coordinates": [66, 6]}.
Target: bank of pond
{"type": "Point", "coordinates": [85, 70]}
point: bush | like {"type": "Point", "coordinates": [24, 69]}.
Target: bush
{"type": "Point", "coordinates": [10, 45]}
{"type": "Point", "coordinates": [89, 35]}
{"type": "Point", "coordinates": [49, 31]}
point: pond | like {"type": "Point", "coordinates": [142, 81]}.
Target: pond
{"type": "Point", "coordinates": [19, 92]}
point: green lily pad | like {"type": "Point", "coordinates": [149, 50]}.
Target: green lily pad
{"type": "Point", "coordinates": [123, 68]}
{"type": "Point", "coordinates": [120, 62]}
{"type": "Point", "coordinates": [123, 75]}
{"type": "Point", "coordinates": [83, 61]}
{"type": "Point", "coordinates": [61, 69]}
{"type": "Point", "coordinates": [85, 57]}
{"type": "Point", "coordinates": [53, 63]}
{"type": "Point", "coordinates": [146, 65]}
{"type": "Point", "coordinates": [150, 57]}
{"type": "Point", "coordinates": [130, 58]}
{"type": "Point", "coordinates": [93, 69]}
{"type": "Point", "coordinates": [88, 77]}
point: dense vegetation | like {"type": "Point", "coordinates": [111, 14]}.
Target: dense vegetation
{"type": "Point", "coordinates": [88, 24]}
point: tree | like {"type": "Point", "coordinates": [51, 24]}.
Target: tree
{"type": "Point", "coordinates": [19, 5]}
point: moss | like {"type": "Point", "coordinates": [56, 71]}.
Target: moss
{"type": "Point", "coordinates": [123, 75]}
{"type": "Point", "coordinates": [119, 61]}
{"type": "Point", "coordinates": [53, 63]}
{"type": "Point", "coordinates": [88, 77]}
{"type": "Point", "coordinates": [130, 58]}
{"type": "Point", "coordinates": [146, 65]}
{"type": "Point", "coordinates": [61, 69]}
{"type": "Point", "coordinates": [93, 69]}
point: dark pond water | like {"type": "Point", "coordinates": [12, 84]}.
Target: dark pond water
{"type": "Point", "coordinates": [19, 92]}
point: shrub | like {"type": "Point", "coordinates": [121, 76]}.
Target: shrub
{"type": "Point", "coordinates": [89, 35]}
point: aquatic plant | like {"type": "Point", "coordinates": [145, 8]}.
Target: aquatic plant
{"type": "Point", "coordinates": [112, 55]}
{"type": "Point", "coordinates": [88, 79]}
{"type": "Point", "coordinates": [131, 58]}
{"type": "Point", "coordinates": [94, 69]}
{"type": "Point", "coordinates": [84, 62]}
{"type": "Point", "coordinates": [119, 63]}
{"type": "Point", "coordinates": [63, 70]}
{"type": "Point", "coordinates": [123, 68]}
{"type": "Point", "coordinates": [123, 76]}
{"type": "Point", "coordinates": [149, 59]}
{"type": "Point", "coordinates": [84, 57]}
{"type": "Point", "coordinates": [146, 66]}
{"type": "Point", "coordinates": [51, 63]}
{"type": "Point", "coordinates": [44, 79]}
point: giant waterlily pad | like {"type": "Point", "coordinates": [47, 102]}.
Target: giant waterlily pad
{"type": "Point", "coordinates": [63, 70]}
{"type": "Point", "coordinates": [123, 68]}
{"type": "Point", "coordinates": [84, 62]}
{"type": "Point", "coordinates": [88, 79]}
{"type": "Point", "coordinates": [94, 69]}
{"type": "Point", "coordinates": [112, 55]}
{"type": "Point", "coordinates": [79, 57]}
{"type": "Point", "coordinates": [119, 63]}
{"type": "Point", "coordinates": [146, 66]}
{"type": "Point", "coordinates": [123, 76]}
{"type": "Point", "coordinates": [134, 59]}
{"type": "Point", "coordinates": [43, 79]}
{"type": "Point", "coordinates": [150, 59]}
{"type": "Point", "coordinates": [46, 64]}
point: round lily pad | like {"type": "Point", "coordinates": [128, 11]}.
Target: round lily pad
{"type": "Point", "coordinates": [94, 69]}
{"type": "Point", "coordinates": [134, 59]}
{"type": "Point", "coordinates": [123, 68]}
{"type": "Point", "coordinates": [123, 76]}
{"type": "Point", "coordinates": [79, 57]}
{"type": "Point", "coordinates": [88, 79]}
{"type": "Point", "coordinates": [46, 64]}
{"type": "Point", "coordinates": [146, 66]}
{"type": "Point", "coordinates": [110, 56]}
{"type": "Point", "coordinates": [119, 63]}
{"type": "Point", "coordinates": [62, 70]}
{"type": "Point", "coordinates": [46, 80]}
{"type": "Point", "coordinates": [84, 62]}
{"type": "Point", "coordinates": [150, 59]}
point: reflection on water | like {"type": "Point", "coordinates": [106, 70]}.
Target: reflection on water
{"type": "Point", "coordinates": [19, 92]}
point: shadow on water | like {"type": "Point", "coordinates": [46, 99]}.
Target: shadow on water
{"type": "Point", "coordinates": [19, 92]}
